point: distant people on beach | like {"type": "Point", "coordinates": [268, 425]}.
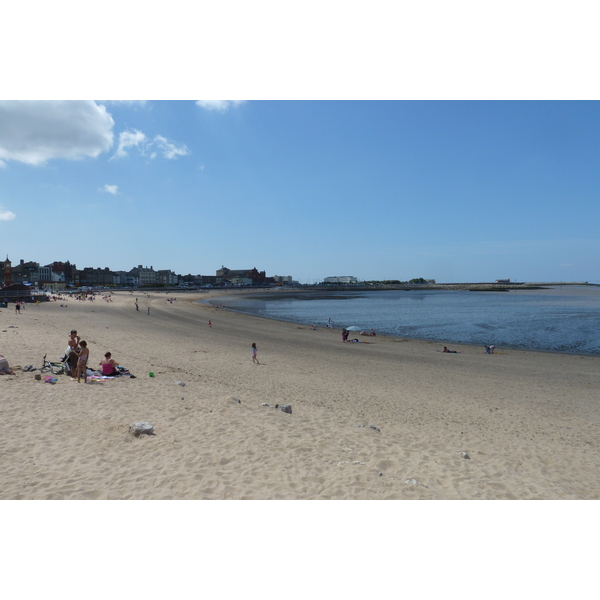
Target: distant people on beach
{"type": "Point", "coordinates": [209, 323]}
{"type": "Point", "coordinates": [360, 341]}
{"type": "Point", "coordinates": [109, 365]}
{"type": "Point", "coordinates": [490, 349]}
{"type": "Point", "coordinates": [82, 361]}
{"type": "Point", "coordinates": [345, 334]}
{"type": "Point", "coordinates": [450, 351]}
{"type": "Point", "coordinates": [255, 353]}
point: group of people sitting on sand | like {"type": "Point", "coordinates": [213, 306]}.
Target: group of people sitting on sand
{"type": "Point", "coordinates": [488, 350]}
{"type": "Point", "coordinates": [77, 357]}
{"type": "Point", "coordinates": [76, 361]}
{"type": "Point", "coordinates": [346, 333]}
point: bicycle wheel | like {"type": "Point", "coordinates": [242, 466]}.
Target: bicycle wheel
{"type": "Point", "coordinates": [57, 369]}
{"type": "Point", "coordinates": [44, 369]}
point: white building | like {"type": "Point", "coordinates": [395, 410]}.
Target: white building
{"type": "Point", "coordinates": [341, 279]}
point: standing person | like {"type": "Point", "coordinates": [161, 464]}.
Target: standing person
{"type": "Point", "coordinates": [82, 361]}
{"type": "Point", "coordinates": [137, 306]}
{"type": "Point", "coordinates": [72, 352]}
{"type": "Point", "coordinates": [254, 354]}
{"type": "Point", "coordinates": [345, 334]}
{"type": "Point", "coordinates": [209, 323]}
{"type": "Point", "coordinates": [148, 310]}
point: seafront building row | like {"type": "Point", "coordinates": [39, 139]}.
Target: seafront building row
{"type": "Point", "coordinates": [59, 275]}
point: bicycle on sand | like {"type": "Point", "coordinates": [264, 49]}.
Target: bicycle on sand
{"type": "Point", "coordinates": [56, 368]}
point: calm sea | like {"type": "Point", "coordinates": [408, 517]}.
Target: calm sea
{"type": "Point", "coordinates": [560, 319]}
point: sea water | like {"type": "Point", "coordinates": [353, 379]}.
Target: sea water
{"type": "Point", "coordinates": [558, 319]}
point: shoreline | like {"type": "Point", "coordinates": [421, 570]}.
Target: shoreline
{"type": "Point", "coordinates": [386, 420]}
{"type": "Point", "coordinates": [295, 295]}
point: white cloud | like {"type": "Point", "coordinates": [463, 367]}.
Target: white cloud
{"type": "Point", "coordinates": [218, 105]}
{"type": "Point", "coordinates": [6, 215]}
{"type": "Point", "coordinates": [128, 139]}
{"type": "Point", "coordinates": [111, 189]}
{"type": "Point", "coordinates": [35, 131]}
{"type": "Point", "coordinates": [151, 148]}
{"type": "Point", "coordinates": [169, 150]}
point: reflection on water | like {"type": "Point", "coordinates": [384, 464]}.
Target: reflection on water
{"type": "Point", "coordinates": [560, 319]}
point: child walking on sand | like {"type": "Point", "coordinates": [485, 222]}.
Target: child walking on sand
{"type": "Point", "coordinates": [82, 360]}
{"type": "Point", "coordinates": [254, 353]}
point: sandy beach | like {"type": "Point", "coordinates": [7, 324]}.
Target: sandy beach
{"type": "Point", "coordinates": [394, 419]}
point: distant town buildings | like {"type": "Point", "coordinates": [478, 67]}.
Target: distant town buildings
{"type": "Point", "coordinates": [283, 279]}
{"type": "Point", "coordinates": [59, 275]}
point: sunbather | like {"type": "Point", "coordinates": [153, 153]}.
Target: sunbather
{"type": "Point", "coordinates": [4, 368]}
{"type": "Point", "coordinates": [109, 365]}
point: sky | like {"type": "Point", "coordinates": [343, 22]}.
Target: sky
{"type": "Point", "coordinates": [393, 189]}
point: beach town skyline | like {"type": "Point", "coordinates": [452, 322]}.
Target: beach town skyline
{"type": "Point", "coordinates": [59, 273]}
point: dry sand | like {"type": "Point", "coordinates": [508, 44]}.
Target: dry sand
{"type": "Point", "coordinates": [529, 421]}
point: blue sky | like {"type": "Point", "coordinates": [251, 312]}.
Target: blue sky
{"type": "Point", "coordinates": [451, 190]}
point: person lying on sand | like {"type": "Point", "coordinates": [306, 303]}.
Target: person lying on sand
{"type": "Point", "coordinates": [361, 341]}
{"type": "Point", "coordinates": [4, 368]}
{"type": "Point", "coordinates": [450, 351]}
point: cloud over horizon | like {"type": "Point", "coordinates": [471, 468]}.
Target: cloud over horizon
{"type": "Point", "coordinates": [36, 131]}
